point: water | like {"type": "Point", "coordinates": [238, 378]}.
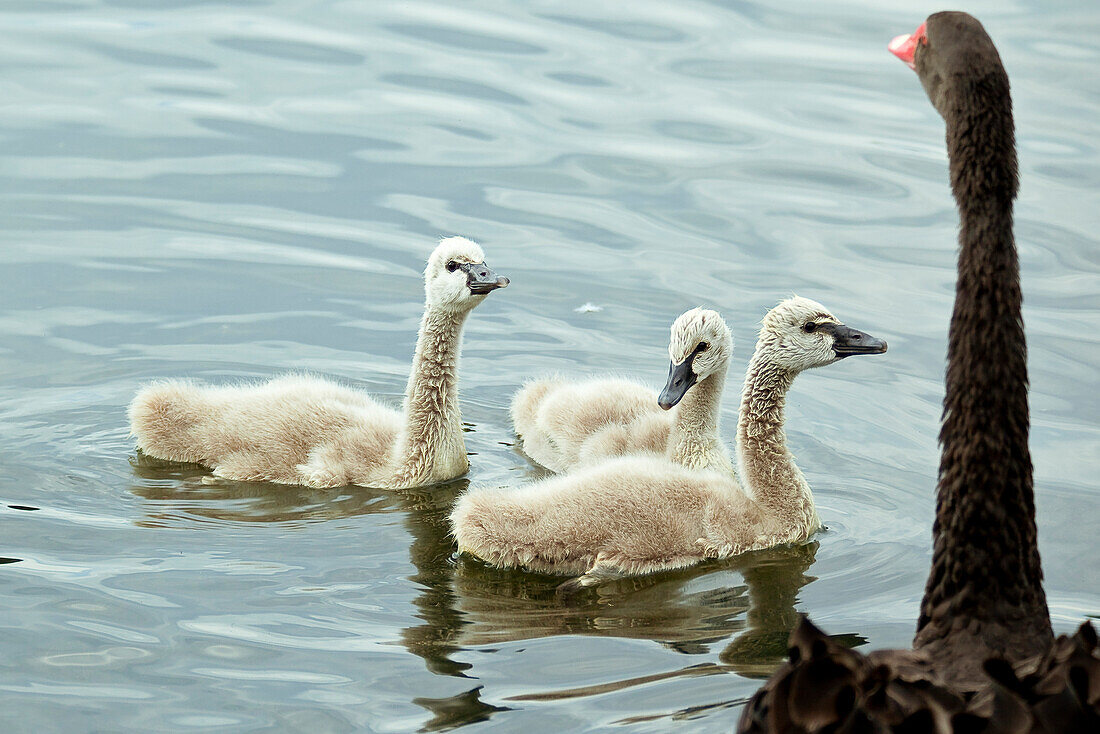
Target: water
{"type": "Point", "coordinates": [237, 189]}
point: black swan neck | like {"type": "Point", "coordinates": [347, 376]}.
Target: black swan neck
{"type": "Point", "coordinates": [984, 595]}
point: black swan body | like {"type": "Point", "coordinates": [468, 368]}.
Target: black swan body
{"type": "Point", "coordinates": [984, 658]}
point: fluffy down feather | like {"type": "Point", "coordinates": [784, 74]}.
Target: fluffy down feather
{"type": "Point", "coordinates": [299, 429]}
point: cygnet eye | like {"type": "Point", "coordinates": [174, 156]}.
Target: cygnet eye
{"type": "Point", "coordinates": [703, 346]}
{"type": "Point", "coordinates": [452, 266]}
{"type": "Point", "coordinates": [809, 327]}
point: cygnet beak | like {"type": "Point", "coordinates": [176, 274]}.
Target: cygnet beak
{"type": "Point", "coordinates": [848, 341]}
{"type": "Point", "coordinates": [680, 379]}
{"type": "Point", "coordinates": [481, 279]}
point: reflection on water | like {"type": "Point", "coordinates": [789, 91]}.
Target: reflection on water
{"type": "Point", "coordinates": [431, 552]}
{"type": "Point", "coordinates": [506, 605]}
{"type": "Point", "coordinates": [183, 492]}
{"type": "Point", "coordinates": [472, 604]}
{"type": "Point", "coordinates": [464, 708]}
{"type": "Point", "coordinates": [773, 579]}
{"type": "Point", "coordinates": [464, 604]}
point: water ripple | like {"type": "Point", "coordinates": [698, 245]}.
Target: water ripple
{"type": "Point", "coordinates": [464, 39]}
{"type": "Point", "coordinates": [290, 50]}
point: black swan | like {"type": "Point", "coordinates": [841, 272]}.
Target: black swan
{"type": "Point", "coordinates": [984, 658]}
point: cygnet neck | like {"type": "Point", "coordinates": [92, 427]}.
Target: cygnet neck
{"type": "Point", "coordinates": [695, 442]}
{"type": "Point", "coordinates": [768, 471]}
{"type": "Point", "coordinates": [433, 425]}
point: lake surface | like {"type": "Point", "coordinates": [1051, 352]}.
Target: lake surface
{"type": "Point", "coordinates": [228, 190]}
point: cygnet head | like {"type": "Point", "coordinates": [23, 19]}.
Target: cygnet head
{"type": "Point", "coordinates": [700, 344]}
{"type": "Point", "coordinates": [457, 278]}
{"type": "Point", "coordinates": [799, 334]}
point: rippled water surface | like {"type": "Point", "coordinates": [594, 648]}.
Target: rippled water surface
{"type": "Point", "coordinates": [236, 189]}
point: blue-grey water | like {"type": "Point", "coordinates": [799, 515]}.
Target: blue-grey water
{"type": "Point", "coordinates": [237, 189]}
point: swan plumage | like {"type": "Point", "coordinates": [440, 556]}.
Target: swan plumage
{"type": "Point", "coordinates": [984, 658]}
{"type": "Point", "coordinates": [564, 424]}
{"type": "Point", "coordinates": [627, 515]}
{"type": "Point", "coordinates": [645, 513]}
{"type": "Point", "coordinates": [302, 429]}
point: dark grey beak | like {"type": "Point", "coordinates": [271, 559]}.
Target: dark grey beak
{"type": "Point", "coordinates": [481, 279]}
{"type": "Point", "coordinates": [680, 379]}
{"type": "Point", "coordinates": [848, 341]}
